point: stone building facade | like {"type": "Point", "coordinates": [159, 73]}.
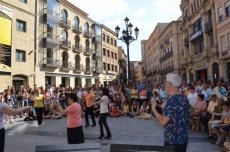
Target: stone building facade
{"type": "Point", "coordinates": [69, 46]}
{"type": "Point", "coordinates": [151, 49]}
{"type": "Point", "coordinates": [123, 66]}
{"type": "Point", "coordinates": [170, 54]}
{"type": "Point", "coordinates": [17, 43]}
{"type": "Point", "coordinates": [222, 9]}
{"type": "Point", "coordinates": [162, 52]}
{"type": "Point", "coordinates": [200, 40]}
{"type": "Point", "coordinates": [109, 56]}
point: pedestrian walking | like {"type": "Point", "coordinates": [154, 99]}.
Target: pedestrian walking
{"type": "Point", "coordinates": [75, 134]}
{"type": "Point", "coordinates": [104, 102]}
{"type": "Point", "coordinates": [176, 115]}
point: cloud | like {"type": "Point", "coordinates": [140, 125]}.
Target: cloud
{"type": "Point", "coordinates": [144, 14]}
{"type": "Point", "coordinates": [141, 12]}
{"type": "Point", "coordinates": [100, 10]}
{"type": "Point", "coordinates": [166, 10]}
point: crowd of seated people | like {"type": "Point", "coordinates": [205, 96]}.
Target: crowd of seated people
{"type": "Point", "coordinates": [209, 105]}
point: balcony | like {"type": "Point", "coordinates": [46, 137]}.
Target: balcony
{"type": "Point", "coordinates": [77, 48]}
{"type": "Point", "coordinates": [208, 27]}
{"type": "Point", "coordinates": [65, 44]}
{"type": "Point", "coordinates": [166, 56]}
{"type": "Point", "coordinates": [188, 61]}
{"type": "Point", "coordinates": [112, 72]}
{"type": "Point", "coordinates": [50, 63]}
{"type": "Point", "coordinates": [65, 23]}
{"type": "Point", "coordinates": [88, 69]}
{"type": "Point", "coordinates": [166, 70]}
{"type": "Point", "coordinates": [87, 34]}
{"type": "Point", "coordinates": [224, 54]}
{"type": "Point", "coordinates": [65, 65]}
{"type": "Point", "coordinates": [78, 68]}
{"type": "Point", "coordinates": [186, 41]}
{"type": "Point", "coordinates": [77, 29]}
{"type": "Point", "coordinates": [88, 51]}
{"type": "Point", "coordinates": [196, 35]}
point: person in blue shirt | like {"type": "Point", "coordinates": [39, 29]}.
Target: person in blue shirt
{"type": "Point", "coordinates": [175, 118]}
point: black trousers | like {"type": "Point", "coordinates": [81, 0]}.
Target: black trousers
{"type": "Point", "coordinates": [89, 111]}
{"type": "Point", "coordinates": [75, 135]}
{"type": "Point", "coordinates": [2, 139]}
{"type": "Point", "coordinates": [103, 122]}
{"type": "Point", "coordinates": [39, 113]}
{"type": "Point", "coordinates": [178, 147]}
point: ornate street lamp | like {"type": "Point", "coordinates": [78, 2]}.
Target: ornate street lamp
{"type": "Point", "coordinates": [127, 38]}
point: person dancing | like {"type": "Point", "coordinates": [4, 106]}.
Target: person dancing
{"type": "Point", "coordinates": [103, 114]}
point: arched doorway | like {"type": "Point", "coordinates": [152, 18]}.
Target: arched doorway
{"type": "Point", "coordinates": [19, 80]}
{"type": "Point", "coordinates": [215, 72]}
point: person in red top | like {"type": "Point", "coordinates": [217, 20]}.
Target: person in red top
{"type": "Point", "coordinates": [89, 100]}
{"type": "Point", "coordinates": [75, 134]}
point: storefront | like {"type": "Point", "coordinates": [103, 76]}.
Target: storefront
{"type": "Point", "coordinates": [5, 45]}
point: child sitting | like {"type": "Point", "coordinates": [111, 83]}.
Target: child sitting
{"type": "Point", "coordinates": [115, 111]}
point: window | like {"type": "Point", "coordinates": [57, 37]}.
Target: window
{"type": "Point", "coordinates": [227, 9]}
{"type": "Point", "coordinates": [115, 68]}
{"type": "Point", "coordinates": [220, 14]}
{"type": "Point", "coordinates": [104, 52]}
{"type": "Point", "coordinates": [199, 47]}
{"type": "Point", "coordinates": [115, 55]}
{"type": "Point", "coordinates": [104, 65]}
{"type": "Point", "coordinates": [111, 41]}
{"type": "Point", "coordinates": [107, 39]}
{"type": "Point", "coordinates": [222, 42]}
{"type": "Point", "coordinates": [108, 67]}
{"type": "Point", "coordinates": [20, 56]}
{"type": "Point", "coordinates": [115, 43]}
{"type": "Point", "coordinates": [197, 26]}
{"type": "Point", "coordinates": [108, 54]}
{"type": "Point", "coordinates": [112, 55]}
{"type": "Point", "coordinates": [21, 26]}
{"type": "Point", "coordinates": [103, 37]}
{"type": "Point", "coordinates": [23, 1]}
{"type": "Point", "coordinates": [112, 67]}
{"type": "Point", "coordinates": [76, 22]}
{"type": "Point", "coordinates": [228, 35]}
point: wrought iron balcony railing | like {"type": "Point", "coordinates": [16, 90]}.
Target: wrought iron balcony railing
{"type": "Point", "coordinates": [77, 48]}
{"type": "Point", "coordinates": [66, 44]}
{"type": "Point", "coordinates": [77, 29]}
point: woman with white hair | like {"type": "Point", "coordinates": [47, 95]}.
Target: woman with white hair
{"type": "Point", "coordinates": [176, 115]}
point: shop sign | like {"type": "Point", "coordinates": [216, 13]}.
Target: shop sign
{"type": "Point", "coordinates": [8, 11]}
{"type": "Point", "coordinates": [200, 65]}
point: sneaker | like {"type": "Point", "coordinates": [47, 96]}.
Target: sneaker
{"type": "Point", "coordinates": [108, 137]}
{"type": "Point", "coordinates": [100, 137]}
{"type": "Point", "coordinates": [86, 126]}
{"type": "Point", "coordinates": [40, 125]}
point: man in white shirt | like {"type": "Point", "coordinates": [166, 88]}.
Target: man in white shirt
{"type": "Point", "coordinates": [219, 90]}
{"type": "Point", "coordinates": [192, 96]}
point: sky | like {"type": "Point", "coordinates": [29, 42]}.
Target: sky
{"type": "Point", "coordinates": [144, 14]}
